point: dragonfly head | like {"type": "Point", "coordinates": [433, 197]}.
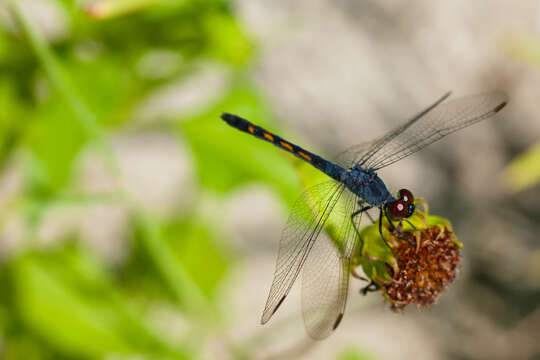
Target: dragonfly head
{"type": "Point", "coordinates": [402, 207]}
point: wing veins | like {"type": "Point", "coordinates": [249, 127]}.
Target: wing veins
{"type": "Point", "coordinates": [325, 279]}
{"type": "Point", "coordinates": [283, 281]}
{"type": "Point", "coordinates": [430, 133]}
{"type": "Point", "coordinates": [386, 139]}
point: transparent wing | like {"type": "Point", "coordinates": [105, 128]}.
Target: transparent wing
{"type": "Point", "coordinates": [433, 124]}
{"type": "Point", "coordinates": [306, 221]}
{"type": "Point", "coordinates": [358, 154]}
{"type": "Point", "coordinates": [325, 276]}
{"type": "Point", "coordinates": [430, 125]}
{"type": "Point", "coordinates": [351, 156]}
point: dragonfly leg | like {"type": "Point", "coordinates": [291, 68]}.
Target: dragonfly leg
{"type": "Point", "coordinates": [355, 214]}
{"type": "Point", "coordinates": [390, 221]}
{"type": "Point", "coordinates": [370, 217]}
{"type": "Point", "coordinates": [380, 227]}
{"type": "Point", "coordinates": [372, 286]}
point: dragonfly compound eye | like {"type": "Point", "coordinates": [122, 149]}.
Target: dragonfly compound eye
{"type": "Point", "coordinates": [406, 196]}
{"type": "Point", "coordinates": [399, 209]}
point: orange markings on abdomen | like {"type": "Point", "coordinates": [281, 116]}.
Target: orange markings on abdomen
{"type": "Point", "coordinates": [286, 145]}
{"type": "Point", "coordinates": [304, 155]}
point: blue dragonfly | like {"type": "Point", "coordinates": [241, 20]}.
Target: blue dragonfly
{"type": "Point", "coordinates": [353, 188]}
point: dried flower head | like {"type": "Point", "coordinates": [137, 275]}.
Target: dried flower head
{"type": "Point", "coordinates": [422, 263]}
{"type": "Point", "coordinates": [427, 261]}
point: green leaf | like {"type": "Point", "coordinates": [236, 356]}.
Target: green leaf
{"type": "Point", "coordinates": [66, 298]}
{"type": "Point", "coordinates": [13, 119]}
{"type": "Point", "coordinates": [227, 41]}
{"type": "Point", "coordinates": [55, 139]}
{"type": "Point", "coordinates": [524, 171]}
{"type": "Point", "coordinates": [176, 252]}
{"type": "Point", "coordinates": [525, 48]}
{"type": "Point", "coordinates": [109, 87]}
{"type": "Point", "coordinates": [178, 277]}
{"type": "Point", "coordinates": [354, 354]}
{"type": "Point", "coordinates": [374, 255]}
{"type": "Point", "coordinates": [197, 249]}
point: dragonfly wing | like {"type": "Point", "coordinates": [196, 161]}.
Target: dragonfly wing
{"type": "Point", "coordinates": [351, 156]}
{"type": "Point", "coordinates": [325, 276]}
{"type": "Point", "coordinates": [431, 125]}
{"type": "Point", "coordinates": [305, 223]}
{"type": "Point", "coordinates": [358, 154]}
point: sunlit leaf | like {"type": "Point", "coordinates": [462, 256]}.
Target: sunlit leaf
{"type": "Point", "coordinates": [227, 41]}
{"type": "Point", "coordinates": [354, 354]}
{"type": "Point", "coordinates": [197, 248]}
{"type": "Point", "coordinates": [66, 299]}
{"type": "Point", "coordinates": [524, 171]}
{"type": "Point", "coordinates": [55, 139]}
{"type": "Point", "coordinates": [109, 87]}
{"type": "Point", "coordinates": [13, 119]}
{"type": "Point", "coordinates": [185, 286]}
{"type": "Point", "coordinates": [524, 47]}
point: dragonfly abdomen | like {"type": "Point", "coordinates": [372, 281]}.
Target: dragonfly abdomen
{"type": "Point", "coordinates": [333, 170]}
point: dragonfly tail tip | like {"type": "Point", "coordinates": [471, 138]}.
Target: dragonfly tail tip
{"type": "Point", "coordinates": [338, 320]}
{"type": "Point", "coordinates": [499, 107]}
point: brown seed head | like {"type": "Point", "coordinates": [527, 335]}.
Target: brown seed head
{"type": "Point", "coordinates": [427, 261]}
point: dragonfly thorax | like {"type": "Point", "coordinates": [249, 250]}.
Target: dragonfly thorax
{"type": "Point", "coordinates": [366, 184]}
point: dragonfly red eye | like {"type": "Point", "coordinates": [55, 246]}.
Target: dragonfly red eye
{"type": "Point", "coordinates": [400, 209]}
{"type": "Point", "coordinates": [406, 196]}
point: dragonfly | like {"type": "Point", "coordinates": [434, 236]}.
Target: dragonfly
{"type": "Point", "coordinates": [352, 189]}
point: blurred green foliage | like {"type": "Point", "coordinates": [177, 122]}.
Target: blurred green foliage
{"type": "Point", "coordinates": [354, 354]}
{"type": "Point", "coordinates": [524, 171]}
{"type": "Point", "coordinates": [64, 94]}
